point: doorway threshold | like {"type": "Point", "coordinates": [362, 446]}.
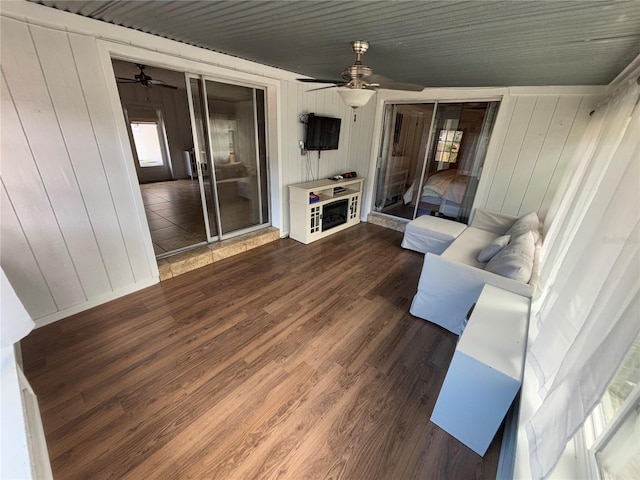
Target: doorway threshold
{"type": "Point", "coordinates": [184, 262]}
{"type": "Point", "coordinates": [387, 221]}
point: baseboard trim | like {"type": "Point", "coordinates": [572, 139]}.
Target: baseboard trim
{"type": "Point", "coordinates": [94, 302]}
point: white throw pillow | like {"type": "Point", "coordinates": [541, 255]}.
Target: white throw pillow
{"type": "Point", "coordinates": [515, 261]}
{"type": "Point", "coordinates": [494, 247]}
{"type": "Point", "coordinates": [529, 222]}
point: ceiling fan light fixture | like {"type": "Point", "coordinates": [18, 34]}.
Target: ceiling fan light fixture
{"type": "Point", "coordinates": [355, 97]}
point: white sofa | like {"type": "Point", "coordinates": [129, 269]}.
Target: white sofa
{"type": "Point", "coordinates": [451, 283]}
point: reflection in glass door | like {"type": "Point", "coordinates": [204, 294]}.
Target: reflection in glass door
{"type": "Point", "coordinates": [431, 158]}
{"type": "Point", "coordinates": [229, 126]}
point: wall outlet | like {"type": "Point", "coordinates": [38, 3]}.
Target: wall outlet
{"type": "Point", "coordinates": [303, 151]}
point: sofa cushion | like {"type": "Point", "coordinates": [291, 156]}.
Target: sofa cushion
{"type": "Point", "coordinates": [495, 222]}
{"type": "Point", "coordinates": [515, 261]}
{"type": "Point", "coordinates": [488, 252]}
{"type": "Point", "coordinates": [527, 223]}
{"type": "Point", "coordinates": [467, 246]}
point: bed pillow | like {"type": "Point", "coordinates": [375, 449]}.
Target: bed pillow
{"type": "Point", "coordinates": [494, 247]}
{"type": "Point", "coordinates": [515, 261]}
{"type": "Point", "coordinates": [527, 223]}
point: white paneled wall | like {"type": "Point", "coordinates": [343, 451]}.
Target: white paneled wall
{"type": "Point", "coordinates": [530, 150]}
{"type": "Point", "coordinates": [71, 233]}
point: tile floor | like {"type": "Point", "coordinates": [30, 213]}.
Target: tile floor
{"type": "Point", "coordinates": [174, 213]}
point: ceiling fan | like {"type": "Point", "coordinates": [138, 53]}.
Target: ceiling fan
{"type": "Point", "coordinates": [144, 79]}
{"type": "Point", "coordinates": [359, 83]}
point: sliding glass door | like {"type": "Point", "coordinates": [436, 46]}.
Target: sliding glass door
{"type": "Point", "coordinates": [431, 158]}
{"type": "Point", "coordinates": [228, 124]}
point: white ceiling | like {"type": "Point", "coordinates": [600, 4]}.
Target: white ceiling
{"type": "Point", "coordinates": [433, 43]}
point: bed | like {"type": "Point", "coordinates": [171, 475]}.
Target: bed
{"type": "Point", "coordinates": [443, 192]}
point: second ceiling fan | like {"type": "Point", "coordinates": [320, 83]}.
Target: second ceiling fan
{"type": "Point", "coordinates": [144, 80]}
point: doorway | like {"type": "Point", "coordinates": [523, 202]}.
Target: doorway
{"type": "Point", "coordinates": [202, 189]}
{"type": "Point", "coordinates": [431, 158]}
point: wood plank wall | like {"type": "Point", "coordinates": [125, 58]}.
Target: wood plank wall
{"type": "Point", "coordinates": [71, 234]}
{"type": "Point", "coordinates": [528, 155]}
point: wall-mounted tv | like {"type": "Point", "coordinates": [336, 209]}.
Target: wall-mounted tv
{"type": "Point", "coordinates": [323, 133]}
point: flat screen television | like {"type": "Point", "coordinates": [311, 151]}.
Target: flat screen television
{"type": "Point", "coordinates": [323, 133]}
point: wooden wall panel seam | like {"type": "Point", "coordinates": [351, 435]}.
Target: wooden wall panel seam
{"type": "Point", "coordinates": [499, 155]}
{"type": "Point", "coordinates": [108, 140]}
{"type": "Point", "coordinates": [522, 141]}
{"type": "Point", "coordinates": [101, 158]}
{"type": "Point", "coordinates": [94, 268]}
{"type": "Point", "coordinates": [30, 288]}
{"type": "Point", "coordinates": [559, 154]}
{"type": "Point", "coordinates": [537, 157]}
{"type": "Point", "coordinates": [36, 207]}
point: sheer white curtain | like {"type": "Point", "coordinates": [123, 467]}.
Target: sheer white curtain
{"type": "Point", "coordinates": [588, 313]}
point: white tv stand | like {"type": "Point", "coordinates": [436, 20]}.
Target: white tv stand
{"type": "Point", "coordinates": [309, 221]}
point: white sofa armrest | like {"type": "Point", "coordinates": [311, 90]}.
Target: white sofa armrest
{"type": "Point", "coordinates": [447, 290]}
{"type": "Point", "coordinates": [494, 222]}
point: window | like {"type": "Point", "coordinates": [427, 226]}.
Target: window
{"type": "Point", "coordinates": [448, 146]}
{"type": "Point", "coordinates": [146, 137]}
{"type": "Point", "coordinates": [613, 430]}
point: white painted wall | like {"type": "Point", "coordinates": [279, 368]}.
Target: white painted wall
{"type": "Point", "coordinates": [70, 230]}
{"type": "Point", "coordinates": [535, 137]}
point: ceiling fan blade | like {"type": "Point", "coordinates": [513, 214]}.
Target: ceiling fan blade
{"type": "Point", "coordinates": [161, 83]}
{"type": "Point", "coordinates": [125, 80]}
{"type": "Point", "coordinates": [318, 80]}
{"type": "Point", "coordinates": [165, 86]}
{"type": "Point", "coordinates": [384, 82]}
{"type": "Point", "coordinates": [324, 88]}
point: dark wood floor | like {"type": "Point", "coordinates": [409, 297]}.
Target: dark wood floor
{"type": "Point", "coordinates": [289, 361]}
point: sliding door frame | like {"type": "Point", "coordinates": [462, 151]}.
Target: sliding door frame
{"type": "Point", "coordinates": [202, 84]}
{"type": "Point", "coordinates": [381, 131]}
{"type": "Point", "coordinates": [198, 149]}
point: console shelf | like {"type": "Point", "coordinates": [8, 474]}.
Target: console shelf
{"type": "Point", "coordinates": [335, 209]}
